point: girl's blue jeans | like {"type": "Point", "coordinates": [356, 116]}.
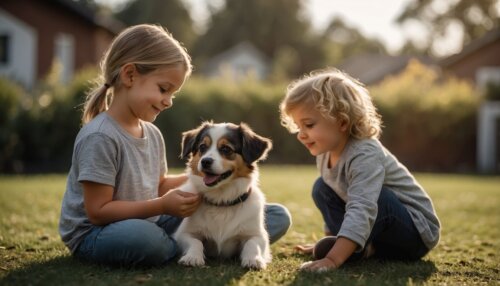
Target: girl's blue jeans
{"type": "Point", "coordinates": [140, 242]}
{"type": "Point", "coordinates": [394, 235]}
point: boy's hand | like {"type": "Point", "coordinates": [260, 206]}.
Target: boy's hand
{"type": "Point", "coordinates": [321, 265]}
{"type": "Point", "coordinates": [180, 204]}
{"type": "Point", "coordinates": [337, 255]}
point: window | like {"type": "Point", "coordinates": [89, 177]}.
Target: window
{"type": "Point", "coordinates": [64, 55]}
{"type": "Point", "coordinates": [4, 49]}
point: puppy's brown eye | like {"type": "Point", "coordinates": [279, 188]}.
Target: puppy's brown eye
{"type": "Point", "coordinates": [225, 150]}
{"type": "Point", "coordinates": [203, 147]}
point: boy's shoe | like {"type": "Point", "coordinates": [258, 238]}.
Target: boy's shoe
{"type": "Point", "coordinates": [323, 246]}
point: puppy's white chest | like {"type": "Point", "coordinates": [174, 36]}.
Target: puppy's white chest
{"type": "Point", "coordinates": [220, 223]}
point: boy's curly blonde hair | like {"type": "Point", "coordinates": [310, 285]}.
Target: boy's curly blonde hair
{"type": "Point", "coordinates": [335, 95]}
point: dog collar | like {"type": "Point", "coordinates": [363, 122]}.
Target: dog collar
{"type": "Point", "coordinates": [238, 200]}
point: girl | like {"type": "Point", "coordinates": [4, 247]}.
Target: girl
{"type": "Point", "coordinates": [120, 206]}
{"type": "Point", "coordinates": [369, 201]}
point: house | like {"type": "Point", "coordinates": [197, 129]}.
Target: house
{"type": "Point", "coordinates": [238, 62]}
{"type": "Point", "coordinates": [373, 68]}
{"type": "Point", "coordinates": [479, 61]}
{"type": "Point", "coordinates": [36, 33]}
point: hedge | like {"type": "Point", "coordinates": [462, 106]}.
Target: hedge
{"type": "Point", "coordinates": [429, 121]}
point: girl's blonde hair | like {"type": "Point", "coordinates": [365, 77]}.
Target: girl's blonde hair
{"type": "Point", "coordinates": [335, 95]}
{"type": "Point", "coordinates": [148, 47]}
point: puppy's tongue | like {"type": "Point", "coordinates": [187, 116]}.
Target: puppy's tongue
{"type": "Point", "coordinates": [210, 179]}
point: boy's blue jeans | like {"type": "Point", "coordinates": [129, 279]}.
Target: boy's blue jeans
{"type": "Point", "coordinates": [393, 235]}
{"type": "Point", "coordinates": [140, 242]}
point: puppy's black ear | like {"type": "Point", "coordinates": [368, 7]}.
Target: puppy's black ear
{"type": "Point", "coordinates": [190, 140]}
{"type": "Point", "coordinates": [254, 147]}
{"type": "Point", "coordinates": [188, 143]}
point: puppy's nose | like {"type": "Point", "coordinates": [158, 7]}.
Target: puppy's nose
{"type": "Point", "coordinates": [206, 163]}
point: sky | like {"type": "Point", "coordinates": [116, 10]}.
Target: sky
{"type": "Point", "coordinates": [374, 18]}
{"type": "Point", "coordinates": [378, 19]}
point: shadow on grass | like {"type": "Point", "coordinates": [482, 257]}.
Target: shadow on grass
{"type": "Point", "coordinates": [371, 272]}
{"type": "Point", "coordinates": [69, 271]}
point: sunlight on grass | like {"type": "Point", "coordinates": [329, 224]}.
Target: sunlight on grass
{"type": "Point", "coordinates": [31, 251]}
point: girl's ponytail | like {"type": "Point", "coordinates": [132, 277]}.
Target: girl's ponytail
{"type": "Point", "coordinates": [98, 98]}
{"type": "Point", "coordinates": [96, 102]}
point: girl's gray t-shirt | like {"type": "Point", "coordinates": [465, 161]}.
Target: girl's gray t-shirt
{"type": "Point", "coordinates": [107, 154]}
{"type": "Point", "coordinates": [364, 167]}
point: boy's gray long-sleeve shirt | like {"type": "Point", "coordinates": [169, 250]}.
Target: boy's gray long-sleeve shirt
{"type": "Point", "coordinates": [363, 168]}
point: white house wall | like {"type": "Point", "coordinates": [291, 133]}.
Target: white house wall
{"type": "Point", "coordinates": [22, 46]}
{"type": "Point", "coordinates": [245, 63]}
{"type": "Point", "coordinates": [488, 116]}
{"type": "Point", "coordinates": [240, 65]}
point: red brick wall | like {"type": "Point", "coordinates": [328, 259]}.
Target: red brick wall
{"type": "Point", "coordinates": [50, 18]}
{"type": "Point", "coordinates": [467, 66]}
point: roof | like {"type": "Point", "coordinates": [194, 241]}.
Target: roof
{"type": "Point", "coordinates": [473, 46]}
{"type": "Point", "coordinates": [372, 68]}
{"type": "Point", "coordinates": [98, 19]}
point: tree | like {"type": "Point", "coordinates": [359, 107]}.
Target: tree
{"type": "Point", "coordinates": [342, 41]}
{"type": "Point", "coordinates": [409, 48]}
{"type": "Point", "coordinates": [267, 24]}
{"type": "Point", "coordinates": [171, 14]}
{"type": "Point", "coordinates": [474, 18]}
{"type": "Point", "coordinates": [274, 27]}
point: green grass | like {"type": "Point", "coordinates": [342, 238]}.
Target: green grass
{"type": "Point", "coordinates": [31, 252]}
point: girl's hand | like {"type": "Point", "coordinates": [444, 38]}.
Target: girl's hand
{"type": "Point", "coordinates": [180, 204]}
{"type": "Point", "coordinates": [321, 265]}
{"type": "Point", "coordinates": [305, 249]}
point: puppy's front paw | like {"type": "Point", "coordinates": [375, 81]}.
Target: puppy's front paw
{"type": "Point", "coordinates": [254, 263]}
{"type": "Point", "coordinates": [192, 260]}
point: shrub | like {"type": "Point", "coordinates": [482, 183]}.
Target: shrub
{"type": "Point", "coordinates": [11, 96]}
{"type": "Point", "coordinates": [48, 126]}
{"type": "Point", "coordinates": [430, 121]}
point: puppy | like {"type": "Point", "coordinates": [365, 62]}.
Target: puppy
{"type": "Point", "coordinates": [222, 166]}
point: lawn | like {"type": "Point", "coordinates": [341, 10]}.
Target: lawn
{"type": "Point", "coordinates": [31, 252]}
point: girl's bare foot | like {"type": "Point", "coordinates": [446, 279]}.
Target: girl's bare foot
{"type": "Point", "coordinates": [305, 249]}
